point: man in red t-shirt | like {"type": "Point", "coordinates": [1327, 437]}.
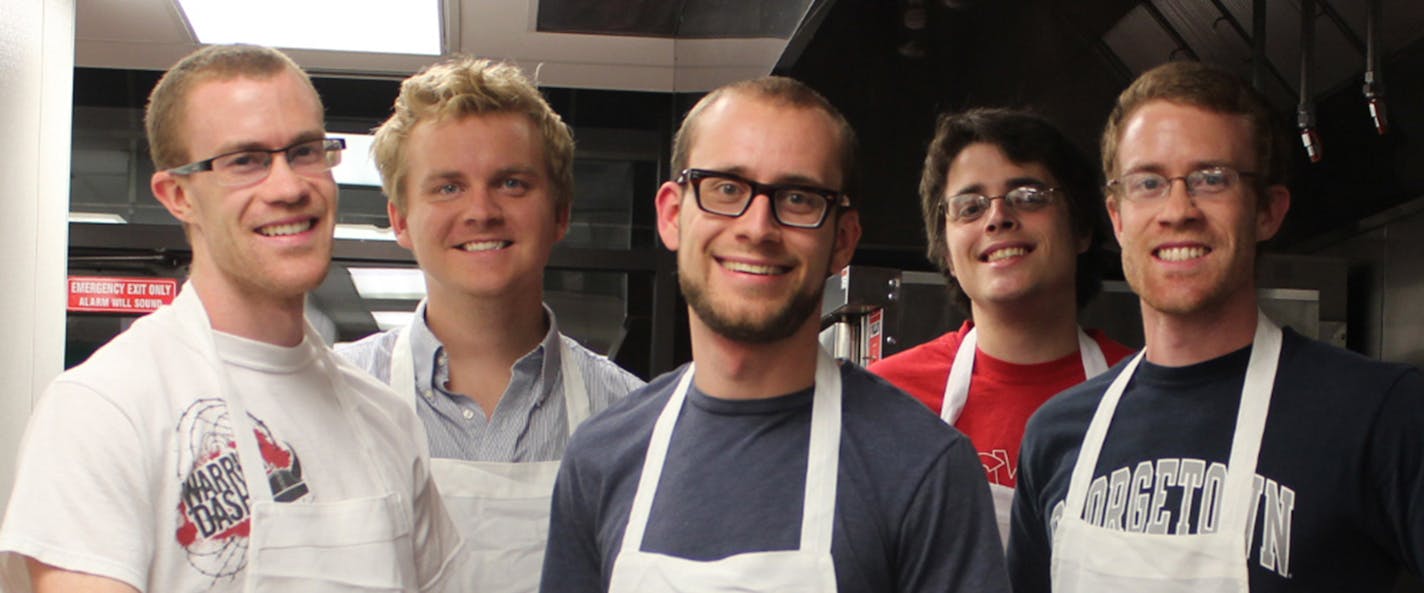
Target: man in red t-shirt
{"type": "Point", "coordinates": [1012, 212]}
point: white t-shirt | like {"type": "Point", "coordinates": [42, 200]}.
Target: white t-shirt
{"type": "Point", "coordinates": [128, 468]}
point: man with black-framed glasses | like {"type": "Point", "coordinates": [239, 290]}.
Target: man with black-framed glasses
{"type": "Point", "coordinates": [1011, 210]}
{"type": "Point", "coordinates": [764, 465]}
{"type": "Point", "coordinates": [218, 444]}
{"type": "Point", "coordinates": [728, 194]}
{"type": "Point", "coordinates": [1231, 454]}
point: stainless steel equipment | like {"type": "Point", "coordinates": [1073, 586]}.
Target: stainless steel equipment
{"type": "Point", "coordinates": [868, 313]}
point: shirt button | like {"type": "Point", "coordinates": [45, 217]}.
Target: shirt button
{"type": "Point", "coordinates": [469, 414]}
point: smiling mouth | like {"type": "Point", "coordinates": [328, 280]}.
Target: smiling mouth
{"type": "Point", "coordinates": [1005, 253]}
{"type": "Point", "coordinates": [476, 246]}
{"type": "Point", "coordinates": [283, 230]}
{"type": "Point", "coordinates": [1174, 254]}
{"type": "Point", "coordinates": [759, 270]}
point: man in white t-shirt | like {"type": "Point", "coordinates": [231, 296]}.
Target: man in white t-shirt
{"type": "Point", "coordinates": [218, 444]}
{"type": "Point", "coordinates": [478, 169]}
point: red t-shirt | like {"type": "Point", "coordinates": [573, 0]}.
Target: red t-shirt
{"type": "Point", "coordinates": [1002, 395]}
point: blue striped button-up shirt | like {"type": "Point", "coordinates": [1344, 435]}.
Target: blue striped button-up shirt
{"type": "Point", "coordinates": [530, 423]}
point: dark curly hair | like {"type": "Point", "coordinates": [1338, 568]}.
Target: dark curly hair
{"type": "Point", "coordinates": [1024, 137]}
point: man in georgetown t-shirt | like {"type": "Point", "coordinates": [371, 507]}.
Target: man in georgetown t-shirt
{"type": "Point", "coordinates": [1233, 455]}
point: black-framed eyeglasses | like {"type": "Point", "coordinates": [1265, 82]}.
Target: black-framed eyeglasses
{"type": "Point", "coordinates": [1146, 186]}
{"type": "Point", "coordinates": [727, 194]}
{"type": "Point", "coordinates": [252, 165]}
{"type": "Point", "coordinates": [1025, 198]}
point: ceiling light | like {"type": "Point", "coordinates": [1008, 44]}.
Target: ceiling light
{"type": "Point", "coordinates": [97, 217]}
{"type": "Point", "coordinates": [377, 26]}
{"type": "Point", "coordinates": [357, 166]}
{"type": "Point", "coordinates": [389, 283]}
{"type": "Point", "coordinates": [363, 232]}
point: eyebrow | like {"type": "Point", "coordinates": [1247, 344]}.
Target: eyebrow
{"type": "Point", "coordinates": [1199, 165]}
{"type": "Point", "coordinates": [1195, 166]}
{"type": "Point", "coordinates": [448, 175]}
{"type": "Point", "coordinates": [516, 170]}
{"type": "Point", "coordinates": [792, 179]}
{"type": "Point", "coordinates": [458, 175]}
{"type": "Point", "coordinates": [249, 145]}
{"type": "Point", "coordinates": [1012, 183]}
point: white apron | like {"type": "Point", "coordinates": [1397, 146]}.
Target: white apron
{"type": "Point", "coordinates": [956, 392]}
{"type": "Point", "coordinates": [500, 508]}
{"type": "Point", "coordinates": [808, 569]}
{"type": "Point", "coordinates": [1091, 559]}
{"type": "Point", "coordinates": [358, 544]}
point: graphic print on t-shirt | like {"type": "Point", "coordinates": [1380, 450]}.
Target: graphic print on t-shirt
{"type": "Point", "coordinates": [999, 468]}
{"type": "Point", "coordinates": [1182, 496]}
{"type": "Point", "coordinates": [214, 508]}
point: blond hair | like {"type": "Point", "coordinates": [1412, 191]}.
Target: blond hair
{"type": "Point", "coordinates": [464, 86]}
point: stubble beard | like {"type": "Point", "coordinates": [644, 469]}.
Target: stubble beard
{"type": "Point", "coordinates": [780, 324]}
{"type": "Point", "coordinates": [1159, 295]}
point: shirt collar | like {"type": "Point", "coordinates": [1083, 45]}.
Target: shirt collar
{"type": "Point", "coordinates": [549, 347]}
{"type": "Point", "coordinates": [428, 352]}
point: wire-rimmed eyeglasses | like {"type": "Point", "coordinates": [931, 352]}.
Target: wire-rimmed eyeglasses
{"type": "Point", "coordinates": [252, 165]}
{"type": "Point", "coordinates": [1146, 186]}
{"type": "Point", "coordinates": [969, 207]}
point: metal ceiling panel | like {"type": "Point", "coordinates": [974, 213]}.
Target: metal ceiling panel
{"type": "Point", "coordinates": [1209, 35]}
{"type": "Point", "coordinates": [1139, 42]}
{"type": "Point", "coordinates": [151, 35]}
{"type": "Point", "coordinates": [659, 18]}
{"type": "Point", "coordinates": [1142, 39]}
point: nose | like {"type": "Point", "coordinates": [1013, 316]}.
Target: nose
{"type": "Point", "coordinates": [1001, 216]}
{"type": "Point", "coordinates": [284, 185]}
{"type": "Point", "coordinates": [759, 222]}
{"type": "Point", "coordinates": [1178, 206]}
{"type": "Point", "coordinates": [481, 206]}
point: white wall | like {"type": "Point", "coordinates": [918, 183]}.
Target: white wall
{"type": "Point", "coordinates": [36, 95]}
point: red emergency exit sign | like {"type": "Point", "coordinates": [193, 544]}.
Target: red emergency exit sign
{"type": "Point", "coordinates": [117, 294]}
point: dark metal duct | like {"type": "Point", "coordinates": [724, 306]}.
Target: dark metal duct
{"type": "Point", "coordinates": [1305, 112]}
{"type": "Point", "coordinates": [1259, 62]}
{"type": "Point", "coordinates": [1374, 80]}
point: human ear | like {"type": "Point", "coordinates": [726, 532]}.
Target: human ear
{"type": "Point", "coordinates": [173, 195]}
{"type": "Point", "coordinates": [846, 239]}
{"type": "Point", "coordinates": [669, 207]}
{"type": "Point", "coordinates": [1270, 218]}
{"type": "Point", "coordinates": [400, 225]}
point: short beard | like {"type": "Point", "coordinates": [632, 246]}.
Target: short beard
{"type": "Point", "coordinates": [779, 326]}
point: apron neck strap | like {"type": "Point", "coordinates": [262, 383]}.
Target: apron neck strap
{"type": "Point", "coordinates": [956, 388]}
{"type": "Point", "coordinates": [1236, 499]}
{"type": "Point", "coordinates": [822, 463]}
{"type": "Point", "coordinates": [194, 316]}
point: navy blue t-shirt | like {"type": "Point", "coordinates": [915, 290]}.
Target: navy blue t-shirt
{"type": "Point", "coordinates": [913, 511]}
{"type": "Point", "coordinates": [1339, 490]}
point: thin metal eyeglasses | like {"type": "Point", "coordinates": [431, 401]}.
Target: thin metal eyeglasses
{"type": "Point", "coordinates": [726, 194]}
{"type": "Point", "coordinates": [252, 165]}
{"type": "Point", "coordinates": [1025, 198]}
{"type": "Point", "coordinates": [1146, 186]}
